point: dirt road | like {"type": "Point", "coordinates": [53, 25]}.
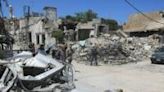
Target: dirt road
{"type": "Point", "coordinates": [140, 77]}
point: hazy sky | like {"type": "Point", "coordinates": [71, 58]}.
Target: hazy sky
{"type": "Point", "coordinates": [115, 9]}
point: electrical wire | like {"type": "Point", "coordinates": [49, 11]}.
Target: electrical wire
{"type": "Point", "coordinates": [6, 3]}
{"type": "Point", "coordinates": [142, 12]}
{"type": "Point", "coordinates": [1, 10]}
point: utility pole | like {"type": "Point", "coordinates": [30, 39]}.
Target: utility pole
{"type": "Point", "coordinates": [1, 11]}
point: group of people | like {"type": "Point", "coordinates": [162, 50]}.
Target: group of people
{"type": "Point", "coordinates": [64, 53]}
{"type": "Point", "coordinates": [40, 50]}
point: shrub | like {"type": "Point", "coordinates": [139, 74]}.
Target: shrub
{"type": "Point", "coordinates": [59, 35]}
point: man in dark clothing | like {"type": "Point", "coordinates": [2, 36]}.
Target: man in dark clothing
{"type": "Point", "coordinates": [62, 55]}
{"type": "Point", "coordinates": [41, 50]}
{"type": "Point", "coordinates": [32, 48]}
{"type": "Point", "coordinates": [69, 53]}
{"type": "Point", "coordinates": [54, 53]}
{"type": "Point", "coordinates": [94, 55]}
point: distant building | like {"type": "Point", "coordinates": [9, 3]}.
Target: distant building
{"type": "Point", "coordinates": [95, 27]}
{"type": "Point", "coordinates": [50, 13]}
{"type": "Point", "coordinates": [37, 29]}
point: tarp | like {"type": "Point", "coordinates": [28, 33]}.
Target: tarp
{"type": "Point", "coordinates": [82, 43]}
{"type": "Point", "coordinates": [24, 54]}
{"type": "Point", "coordinates": [41, 61]}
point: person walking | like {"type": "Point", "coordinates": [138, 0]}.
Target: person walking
{"type": "Point", "coordinates": [69, 53]}
{"type": "Point", "coordinates": [94, 56]}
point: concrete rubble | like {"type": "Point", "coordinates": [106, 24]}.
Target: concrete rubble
{"type": "Point", "coordinates": [48, 74]}
{"type": "Point", "coordinates": [115, 49]}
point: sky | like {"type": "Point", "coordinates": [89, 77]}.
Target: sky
{"type": "Point", "coordinates": [113, 9]}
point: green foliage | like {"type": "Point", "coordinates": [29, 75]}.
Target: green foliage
{"type": "Point", "coordinates": [89, 15]}
{"type": "Point", "coordinates": [59, 35]}
{"type": "Point", "coordinates": [86, 16]}
{"type": "Point", "coordinates": [113, 25]}
{"type": "Point", "coordinates": [69, 19]}
{"type": "Point", "coordinates": [81, 17]}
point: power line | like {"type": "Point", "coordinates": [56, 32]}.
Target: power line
{"type": "Point", "coordinates": [142, 12]}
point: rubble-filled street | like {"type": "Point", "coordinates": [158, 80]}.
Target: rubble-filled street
{"type": "Point", "coordinates": [135, 77]}
{"type": "Point", "coordinates": [81, 46]}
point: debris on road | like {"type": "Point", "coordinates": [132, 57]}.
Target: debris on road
{"type": "Point", "coordinates": [40, 74]}
{"type": "Point", "coordinates": [115, 90]}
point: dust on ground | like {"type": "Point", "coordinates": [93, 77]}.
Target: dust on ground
{"type": "Point", "coordinates": [134, 77]}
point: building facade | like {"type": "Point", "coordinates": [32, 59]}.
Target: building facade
{"type": "Point", "coordinates": [37, 29]}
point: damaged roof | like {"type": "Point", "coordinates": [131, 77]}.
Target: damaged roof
{"type": "Point", "coordinates": [140, 23]}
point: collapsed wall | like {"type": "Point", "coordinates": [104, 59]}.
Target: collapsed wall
{"type": "Point", "coordinates": [114, 49]}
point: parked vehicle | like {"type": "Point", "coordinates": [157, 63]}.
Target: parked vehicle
{"type": "Point", "coordinates": [158, 56]}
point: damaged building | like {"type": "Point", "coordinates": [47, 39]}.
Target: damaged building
{"type": "Point", "coordinates": [141, 26]}
{"type": "Point", "coordinates": [37, 29]}
{"type": "Point", "coordinates": [94, 27]}
{"type": "Point", "coordinates": [75, 31]}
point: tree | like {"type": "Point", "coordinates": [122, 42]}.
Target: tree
{"type": "Point", "coordinates": [85, 16]}
{"type": "Point", "coordinates": [80, 17]}
{"type": "Point", "coordinates": [113, 25]}
{"type": "Point", "coordinates": [90, 15]}
{"type": "Point", "coordinates": [59, 35]}
{"type": "Point", "coordinates": [70, 19]}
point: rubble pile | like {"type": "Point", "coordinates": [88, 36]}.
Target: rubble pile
{"type": "Point", "coordinates": [115, 49]}
{"type": "Point", "coordinates": [48, 74]}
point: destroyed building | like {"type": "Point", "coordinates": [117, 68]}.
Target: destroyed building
{"type": "Point", "coordinates": [141, 26]}
{"type": "Point", "coordinates": [115, 49]}
{"type": "Point", "coordinates": [37, 29]}
{"type": "Point", "coordinates": [94, 27]}
{"type": "Point", "coordinates": [75, 31]}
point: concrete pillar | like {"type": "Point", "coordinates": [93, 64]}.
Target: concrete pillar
{"type": "Point", "coordinates": [40, 39]}
{"type": "Point", "coordinates": [47, 38]}
{"type": "Point", "coordinates": [96, 30]}
{"type": "Point", "coordinates": [77, 33]}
